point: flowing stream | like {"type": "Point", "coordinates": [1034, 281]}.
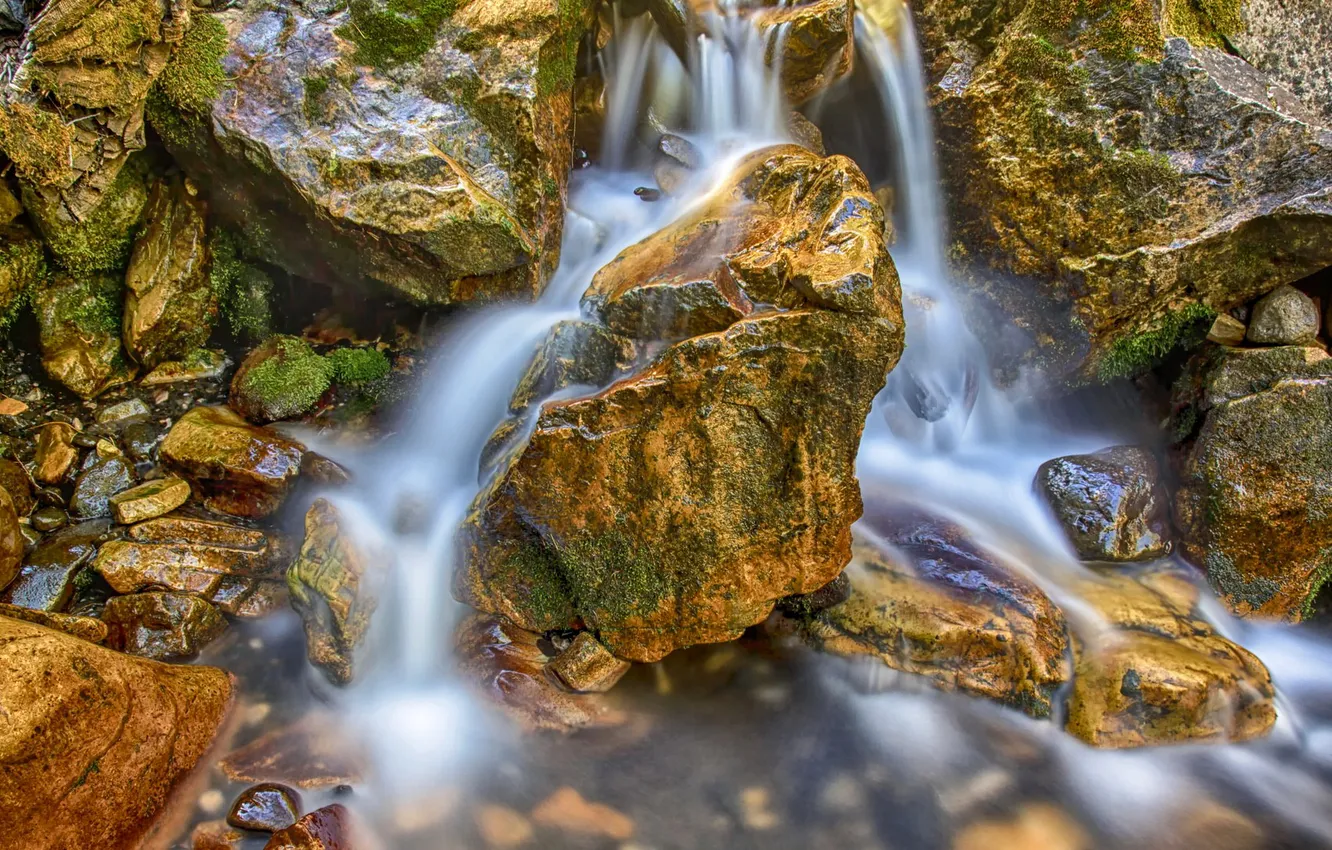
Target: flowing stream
{"type": "Point", "coordinates": [941, 436]}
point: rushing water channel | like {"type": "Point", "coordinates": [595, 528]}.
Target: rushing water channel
{"type": "Point", "coordinates": [747, 745]}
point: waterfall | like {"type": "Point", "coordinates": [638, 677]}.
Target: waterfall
{"type": "Point", "coordinates": [941, 435]}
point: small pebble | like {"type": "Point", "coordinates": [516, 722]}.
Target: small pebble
{"type": "Point", "coordinates": [211, 801]}
{"type": "Point", "coordinates": [48, 519]}
{"type": "Point", "coordinates": [647, 193]}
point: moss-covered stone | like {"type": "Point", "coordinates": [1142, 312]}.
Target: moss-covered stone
{"type": "Point", "coordinates": [1098, 195]}
{"type": "Point", "coordinates": [280, 379]}
{"type": "Point", "coordinates": [358, 365]}
{"type": "Point", "coordinates": [79, 321]}
{"type": "Point", "coordinates": [1255, 505]}
{"type": "Point", "coordinates": [1140, 351]}
{"type": "Point", "coordinates": [243, 290]}
{"type": "Point", "coordinates": [36, 141]}
{"type": "Point", "coordinates": [102, 240]}
{"type": "Point", "coordinates": [22, 269]}
{"type": "Point", "coordinates": [452, 206]}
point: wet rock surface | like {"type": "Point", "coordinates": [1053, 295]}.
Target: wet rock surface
{"type": "Point", "coordinates": [1255, 483]}
{"type": "Point", "coordinates": [507, 666]}
{"type": "Point", "coordinates": [1167, 677]}
{"type": "Point", "coordinates": [12, 545]}
{"type": "Point", "coordinates": [333, 586]}
{"type": "Point", "coordinates": [391, 167]}
{"type": "Point", "coordinates": [170, 304]}
{"type": "Point", "coordinates": [652, 556]}
{"type": "Point", "coordinates": [104, 478]}
{"type": "Point", "coordinates": [1121, 128]}
{"type": "Point", "coordinates": [149, 500]}
{"type": "Point", "coordinates": [267, 807]}
{"type": "Point", "coordinates": [329, 828]}
{"type": "Point", "coordinates": [46, 580]}
{"type": "Point", "coordinates": [586, 666]}
{"type": "Point", "coordinates": [79, 318]}
{"type": "Point", "coordinates": [241, 470]}
{"type": "Point", "coordinates": [955, 617]}
{"type": "Point", "coordinates": [162, 626]}
{"type": "Point", "coordinates": [1111, 504]}
{"type": "Point", "coordinates": [115, 733]}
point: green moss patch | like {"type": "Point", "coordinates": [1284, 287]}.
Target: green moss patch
{"type": "Point", "coordinates": [244, 291]}
{"type": "Point", "coordinates": [358, 365]}
{"type": "Point", "coordinates": [315, 89]}
{"type": "Point", "coordinates": [102, 241]}
{"type": "Point", "coordinates": [193, 77]}
{"type": "Point", "coordinates": [288, 381]}
{"type": "Point", "coordinates": [1136, 353]}
{"type": "Point", "coordinates": [394, 32]}
{"type": "Point", "coordinates": [36, 141]}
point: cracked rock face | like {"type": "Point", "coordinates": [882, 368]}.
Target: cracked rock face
{"type": "Point", "coordinates": [440, 176]}
{"type": "Point", "coordinates": [1103, 178]}
{"type": "Point", "coordinates": [677, 505]}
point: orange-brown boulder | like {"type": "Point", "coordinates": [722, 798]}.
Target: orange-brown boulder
{"type": "Point", "coordinates": [676, 506]}
{"type": "Point", "coordinates": [92, 742]}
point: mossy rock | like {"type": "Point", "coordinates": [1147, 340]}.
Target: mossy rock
{"type": "Point", "coordinates": [102, 240]}
{"type": "Point", "coordinates": [282, 378]}
{"type": "Point", "coordinates": [243, 290]}
{"type": "Point", "coordinates": [79, 321]}
{"type": "Point", "coordinates": [22, 269]}
{"type": "Point", "coordinates": [454, 206]}
{"type": "Point", "coordinates": [1098, 195]}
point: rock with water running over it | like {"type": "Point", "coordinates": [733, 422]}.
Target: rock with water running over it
{"type": "Point", "coordinates": [162, 626]}
{"type": "Point", "coordinates": [241, 470]}
{"type": "Point", "coordinates": [1284, 316]}
{"type": "Point", "coordinates": [507, 665]}
{"type": "Point", "coordinates": [1256, 485]}
{"type": "Point", "coordinates": [1111, 504]}
{"type": "Point", "coordinates": [936, 606]}
{"type": "Point", "coordinates": [1162, 675]}
{"type": "Point", "coordinates": [1113, 169]}
{"type": "Point", "coordinates": [677, 505]}
{"type": "Point", "coordinates": [333, 587]}
{"type": "Point", "coordinates": [114, 734]}
{"type": "Point", "coordinates": [79, 323]}
{"type": "Point", "coordinates": [170, 304]}
{"type": "Point", "coordinates": [415, 145]}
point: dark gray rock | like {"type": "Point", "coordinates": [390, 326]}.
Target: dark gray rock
{"type": "Point", "coordinates": [104, 478]}
{"type": "Point", "coordinates": [1111, 503]}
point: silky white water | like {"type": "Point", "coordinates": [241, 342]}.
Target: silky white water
{"type": "Point", "coordinates": [941, 436]}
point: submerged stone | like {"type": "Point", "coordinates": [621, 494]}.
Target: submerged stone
{"type": "Point", "coordinates": [162, 626]}
{"type": "Point", "coordinates": [1111, 504]}
{"type": "Point", "coordinates": [329, 828]}
{"type": "Point", "coordinates": [170, 305]}
{"type": "Point", "coordinates": [114, 733]}
{"type": "Point", "coordinates": [507, 665]}
{"type": "Point", "coordinates": [240, 469]}
{"type": "Point", "coordinates": [314, 752]}
{"type": "Point", "coordinates": [586, 666]}
{"type": "Point", "coordinates": [266, 807]}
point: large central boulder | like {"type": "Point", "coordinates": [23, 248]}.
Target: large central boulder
{"type": "Point", "coordinates": [677, 505]}
{"type": "Point", "coordinates": [422, 145]}
{"type": "Point", "coordinates": [1115, 170]}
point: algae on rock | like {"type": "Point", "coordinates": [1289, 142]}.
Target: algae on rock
{"type": "Point", "coordinates": [1112, 170]}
